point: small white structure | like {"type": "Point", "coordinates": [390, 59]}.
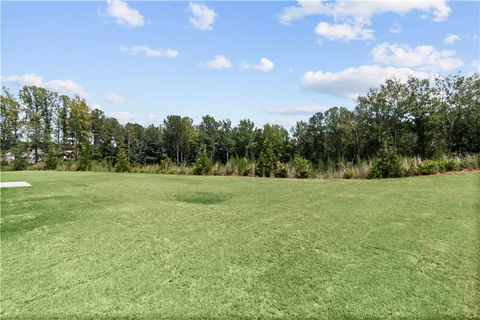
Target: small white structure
{"type": "Point", "coordinates": [14, 184]}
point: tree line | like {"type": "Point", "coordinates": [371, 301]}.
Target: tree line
{"type": "Point", "coordinates": [418, 117]}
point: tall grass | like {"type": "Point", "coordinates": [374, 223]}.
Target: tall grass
{"type": "Point", "coordinates": [411, 166]}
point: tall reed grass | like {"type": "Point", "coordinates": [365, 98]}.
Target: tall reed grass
{"type": "Point", "coordinates": [411, 166]}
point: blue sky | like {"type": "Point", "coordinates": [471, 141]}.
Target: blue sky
{"type": "Point", "coordinates": [275, 62]}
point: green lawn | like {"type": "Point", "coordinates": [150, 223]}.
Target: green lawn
{"type": "Point", "coordinates": [137, 246]}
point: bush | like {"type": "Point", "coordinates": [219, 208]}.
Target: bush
{"type": "Point", "coordinates": [386, 164]}
{"type": "Point", "coordinates": [468, 162]}
{"type": "Point", "coordinates": [216, 169]}
{"type": "Point", "coordinates": [20, 163]}
{"type": "Point", "coordinates": [449, 165]}
{"type": "Point", "coordinates": [302, 166]}
{"type": "Point", "coordinates": [122, 164]}
{"type": "Point", "coordinates": [267, 162]}
{"type": "Point", "coordinates": [166, 165]}
{"type": "Point", "coordinates": [243, 167]}
{"type": "Point", "coordinates": [51, 161]}
{"type": "Point", "coordinates": [84, 158]}
{"type": "Point", "coordinates": [227, 169]}
{"type": "Point", "coordinates": [202, 165]}
{"type": "Point", "coordinates": [410, 167]}
{"type": "Point", "coordinates": [348, 173]}
{"type": "Point", "coordinates": [282, 170]}
{"type": "Point", "coordinates": [428, 167]}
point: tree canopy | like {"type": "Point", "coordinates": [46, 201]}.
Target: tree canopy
{"type": "Point", "coordinates": [419, 117]}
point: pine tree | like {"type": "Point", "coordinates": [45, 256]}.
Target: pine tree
{"type": "Point", "coordinates": [202, 165]}
{"type": "Point", "coordinates": [267, 162]}
{"type": "Point", "coordinates": [52, 160]}
{"type": "Point", "coordinates": [84, 158]}
{"type": "Point", "coordinates": [122, 163]}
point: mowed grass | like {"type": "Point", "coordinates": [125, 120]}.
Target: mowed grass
{"type": "Point", "coordinates": [136, 246]}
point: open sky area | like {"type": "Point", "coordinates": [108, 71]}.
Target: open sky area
{"type": "Point", "coordinates": [276, 62]}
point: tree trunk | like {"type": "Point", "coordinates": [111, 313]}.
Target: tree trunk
{"type": "Point", "coordinates": [177, 154]}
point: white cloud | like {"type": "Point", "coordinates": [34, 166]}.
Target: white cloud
{"type": "Point", "coordinates": [61, 86]}
{"type": "Point", "coordinates": [296, 111]}
{"type": "Point", "coordinates": [149, 52]}
{"type": "Point", "coordinates": [351, 82]}
{"type": "Point", "coordinates": [124, 15]}
{"type": "Point", "coordinates": [287, 123]}
{"type": "Point", "coordinates": [264, 65]}
{"type": "Point", "coordinates": [343, 31]}
{"type": "Point", "coordinates": [362, 11]}
{"type": "Point", "coordinates": [28, 79]}
{"type": "Point", "coordinates": [123, 116]}
{"type": "Point", "coordinates": [395, 28]}
{"type": "Point", "coordinates": [201, 17]}
{"type": "Point", "coordinates": [219, 62]}
{"type": "Point", "coordinates": [115, 99]}
{"type": "Point", "coordinates": [451, 38]}
{"type": "Point", "coordinates": [425, 58]}
{"type": "Point", "coordinates": [303, 9]}
{"type": "Point", "coordinates": [66, 86]}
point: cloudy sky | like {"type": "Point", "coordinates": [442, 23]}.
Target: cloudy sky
{"type": "Point", "coordinates": [275, 62]}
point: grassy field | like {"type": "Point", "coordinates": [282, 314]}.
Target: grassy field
{"type": "Point", "coordinates": [136, 246]}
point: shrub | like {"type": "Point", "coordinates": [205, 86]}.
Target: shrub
{"type": "Point", "coordinates": [20, 163]}
{"type": "Point", "coordinates": [282, 170]}
{"type": "Point", "coordinates": [410, 167]}
{"type": "Point", "coordinates": [202, 165]}
{"type": "Point", "coordinates": [227, 169]}
{"type": "Point", "coordinates": [243, 167]}
{"type": "Point", "coordinates": [84, 158]}
{"type": "Point", "coordinates": [428, 167]}
{"type": "Point", "coordinates": [267, 162]}
{"type": "Point", "coordinates": [302, 166]}
{"type": "Point", "coordinates": [348, 173]}
{"type": "Point", "coordinates": [6, 166]}
{"type": "Point", "coordinates": [36, 166]}
{"type": "Point", "coordinates": [450, 165]}
{"type": "Point", "coordinates": [386, 164]}
{"type": "Point", "coordinates": [216, 169]}
{"type": "Point", "coordinates": [122, 164]}
{"type": "Point", "coordinates": [51, 161]}
{"type": "Point", "coordinates": [165, 165]}
{"type": "Point", "coordinates": [468, 162]}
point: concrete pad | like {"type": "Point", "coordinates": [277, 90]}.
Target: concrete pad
{"type": "Point", "coordinates": [14, 184]}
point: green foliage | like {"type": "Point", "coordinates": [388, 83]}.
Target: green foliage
{"type": "Point", "coordinates": [202, 165]}
{"type": "Point", "coordinates": [20, 163]}
{"type": "Point", "coordinates": [282, 170]}
{"type": "Point", "coordinates": [122, 164]}
{"type": "Point", "coordinates": [386, 164]}
{"type": "Point", "coordinates": [51, 161]}
{"type": "Point", "coordinates": [469, 162]}
{"type": "Point", "coordinates": [421, 118]}
{"type": "Point", "coordinates": [166, 165]}
{"type": "Point", "coordinates": [84, 157]}
{"type": "Point", "coordinates": [410, 167]}
{"type": "Point", "coordinates": [216, 169]}
{"type": "Point", "coordinates": [267, 162]}
{"type": "Point", "coordinates": [428, 167]}
{"type": "Point", "coordinates": [241, 166]}
{"type": "Point", "coordinates": [302, 166]}
{"type": "Point", "coordinates": [348, 173]}
{"type": "Point", "coordinates": [449, 165]}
